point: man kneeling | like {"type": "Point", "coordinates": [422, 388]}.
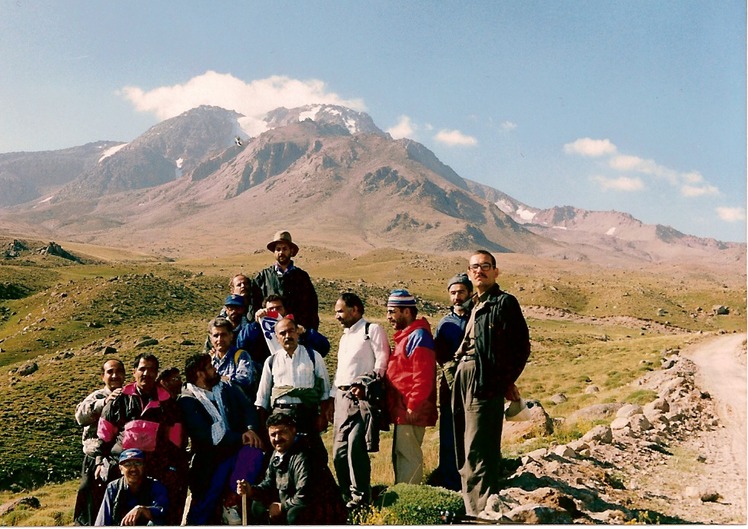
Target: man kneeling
{"type": "Point", "coordinates": [133, 499]}
{"type": "Point", "coordinates": [298, 488]}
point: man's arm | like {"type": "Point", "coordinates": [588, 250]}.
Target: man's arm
{"type": "Point", "coordinates": [420, 348]}
{"type": "Point", "coordinates": [517, 340]}
{"type": "Point", "coordinates": [153, 512]}
{"type": "Point", "coordinates": [89, 409]}
{"type": "Point", "coordinates": [299, 474]}
{"type": "Point", "coordinates": [104, 517]}
{"type": "Point", "coordinates": [266, 386]}
{"type": "Point", "coordinates": [381, 347]}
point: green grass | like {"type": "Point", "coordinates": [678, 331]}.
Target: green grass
{"type": "Point", "coordinates": [61, 316]}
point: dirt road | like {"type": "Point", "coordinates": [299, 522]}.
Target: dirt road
{"type": "Point", "coordinates": [721, 366]}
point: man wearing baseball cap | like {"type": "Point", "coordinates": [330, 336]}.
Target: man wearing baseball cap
{"type": "Point", "coordinates": [288, 281]}
{"type": "Point", "coordinates": [447, 339]}
{"type": "Point", "coordinates": [411, 385]}
{"type": "Point", "coordinates": [133, 499]}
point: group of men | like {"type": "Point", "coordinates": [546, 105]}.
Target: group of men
{"type": "Point", "coordinates": [249, 417]}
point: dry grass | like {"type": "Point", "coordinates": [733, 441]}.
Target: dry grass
{"type": "Point", "coordinates": [173, 302]}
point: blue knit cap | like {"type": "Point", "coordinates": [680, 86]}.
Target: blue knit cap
{"type": "Point", "coordinates": [401, 298]}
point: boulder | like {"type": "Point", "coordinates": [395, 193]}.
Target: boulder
{"type": "Point", "coordinates": [628, 410]}
{"type": "Point", "coordinates": [599, 434]}
{"type": "Point", "coordinates": [30, 502]}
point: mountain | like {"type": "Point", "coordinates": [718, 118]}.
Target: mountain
{"type": "Point", "coordinates": [609, 229]}
{"type": "Point", "coordinates": [28, 176]}
{"type": "Point", "coordinates": [159, 156]}
{"type": "Point", "coordinates": [334, 179]}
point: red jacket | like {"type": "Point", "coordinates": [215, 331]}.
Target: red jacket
{"type": "Point", "coordinates": [411, 376]}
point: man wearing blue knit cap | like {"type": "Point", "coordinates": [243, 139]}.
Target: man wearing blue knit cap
{"type": "Point", "coordinates": [411, 385]}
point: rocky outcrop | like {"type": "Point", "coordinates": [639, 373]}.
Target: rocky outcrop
{"type": "Point", "coordinates": [597, 478]}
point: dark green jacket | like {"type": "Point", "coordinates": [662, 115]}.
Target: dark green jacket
{"type": "Point", "coordinates": [502, 343]}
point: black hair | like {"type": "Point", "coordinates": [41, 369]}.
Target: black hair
{"type": "Point", "coordinates": [195, 363]}
{"type": "Point", "coordinates": [487, 254]}
{"type": "Point", "coordinates": [148, 357]}
{"type": "Point", "coordinates": [281, 419]}
{"type": "Point", "coordinates": [352, 300]}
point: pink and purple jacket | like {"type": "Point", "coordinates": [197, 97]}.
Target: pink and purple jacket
{"type": "Point", "coordinates": [149, 425]}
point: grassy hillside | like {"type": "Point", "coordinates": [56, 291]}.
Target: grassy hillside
{"type": "Point", "coordinates": [60, 317]}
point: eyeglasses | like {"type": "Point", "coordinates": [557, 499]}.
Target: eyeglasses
{"type": "Point", "coordinates": [483, 266]}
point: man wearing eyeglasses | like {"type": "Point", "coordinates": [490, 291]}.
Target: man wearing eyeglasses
{"type": "Point", "coordinates": [491, 357]}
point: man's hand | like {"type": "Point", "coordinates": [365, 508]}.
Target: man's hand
{"type": "Point", "coordinates": [358, 392]}
{"type": "Point", "coordinates": [113, 395]}
{"type": "Point", "coordinates": [242, 487]}
{"type": "Point", "coordinates": [260, 314]}
{"type": "Point", "coordinates": [512, 393]}
{"type": "Point", "coordinates": [133, 517]}
{"type": "Point", "coordinates": [275, 510]}
{"type": "Point", "coordinates": [251, 438]}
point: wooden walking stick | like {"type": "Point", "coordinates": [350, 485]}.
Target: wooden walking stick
{"type": "Point", "coordinates": [244, 508]}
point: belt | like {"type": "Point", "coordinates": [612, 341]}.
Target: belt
{"type": "Point", "coordinates": [286, 406]}
{"type": "Point", "coordinates": [467, 358]}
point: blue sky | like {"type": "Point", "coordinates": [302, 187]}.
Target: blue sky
{"type": "Point", "coordinates": [637, 106]}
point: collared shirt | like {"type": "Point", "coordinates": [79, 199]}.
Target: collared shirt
{"type": "Point", "coordinates": [358, 355]}
{"type": "Point", "coordinates": [297, 371]}
{"type": "Point", "coordinates": [280, 271]}
{"type": "Point", "coordinates": [468, 344]}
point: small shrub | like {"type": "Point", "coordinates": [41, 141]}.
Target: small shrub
{"type": "Point", "coordinates": [405, 504]}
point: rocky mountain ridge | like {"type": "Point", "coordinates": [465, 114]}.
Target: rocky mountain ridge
{"type": "Point", "coordinates": [337, 178]}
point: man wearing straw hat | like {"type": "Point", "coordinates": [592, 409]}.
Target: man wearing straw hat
{"type": "Point", "coordinates": [289, 281]}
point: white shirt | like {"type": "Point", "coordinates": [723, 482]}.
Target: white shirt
{"type": "Point", "coordinates": [296, 371]}
{"type": "Point", "coordinates": [358, 355]}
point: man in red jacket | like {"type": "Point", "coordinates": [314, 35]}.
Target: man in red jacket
{"type": "Point", "coordinates": [411, 385]}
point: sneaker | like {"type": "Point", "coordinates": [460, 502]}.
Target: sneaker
{"type": "Point", "coordinates": [231, 516]}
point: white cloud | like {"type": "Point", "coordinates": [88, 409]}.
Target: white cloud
{"type": "Point", "coordinates": [622, 183]}
{"type": "Point", "coordinates": [403, 129]}
{"type": "Point", "coordinates": [698, 191]}
{"type": "Point", "coordinates": [690, 184]}
{"type": "Point", "coordinates": [253, 99]}
{"type": "Point", "coordinates": [455, 138]}
{"type": "Point", "coordinates": [590, 148]}
{"type": "Point", "coordinates": [508, 125]}
{"type": "Point", "coordinates": [731, 214]}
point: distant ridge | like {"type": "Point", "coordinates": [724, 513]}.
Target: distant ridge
{"type": "Point", "coordinates": [325, 172]}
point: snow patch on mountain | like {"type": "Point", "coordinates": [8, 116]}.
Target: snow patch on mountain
{"type": "Point", "coordinates": [111, 150]}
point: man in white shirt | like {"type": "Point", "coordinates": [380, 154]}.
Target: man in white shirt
{"type": "Point", "coordinates": [294, 380]}
{"type": "Point", "coordinates": [362, 362]}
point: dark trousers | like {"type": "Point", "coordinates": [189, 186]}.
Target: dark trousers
{"type": "Point", "coordinates": [477, 424]}
{"type": "Point", "coordinates": [350, 456]}
{"type": "Point", "coordinates": [91, 492]}
{"type": "Point", "coordinates": [446, 474]}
